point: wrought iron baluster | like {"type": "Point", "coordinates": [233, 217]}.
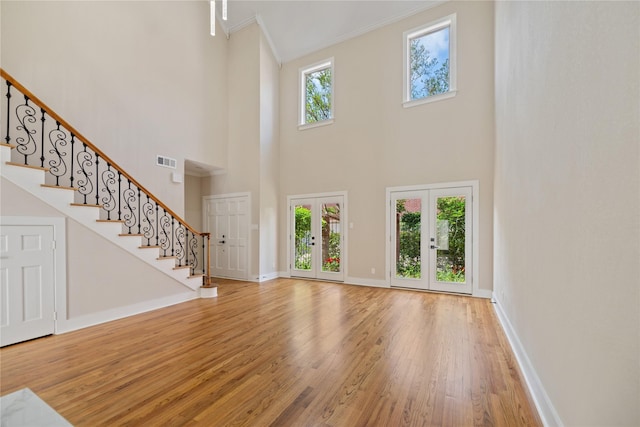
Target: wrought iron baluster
{"type": "Point", "coordinates": [73, 141]}
{"type": "Point", "coordinates": [26, 145]}
{"type": "Point", "coordinates": [58, 139]}
{"type": "Point", "coordinates": [108, 201]}
{"type": "Point", "coordinates": [129, 196]}
{"type": "Point", "coordinates": [177, 238]}
{"type": "Point", "coordinates": [194, 253]}
{"type": "Point", "coordinates": [42, 119]}
{"type": "Point", "coordinates": [139, 216]}
{"type": "Point", "coordinates": [158, 227]}
{"type": "Point", "coordinates": [186, 258]}
{"type": "Point", "coordinates": [85, 186]}
{"type": "Point", "coordinates": [120, 197]}
{"type": "Point", "coordinates": [97, 175]}
{"type": "Point", "coordinates": [172, 239]}
{"type": "Point", "coordinates": [149, 229]}
{"type": "Point", "coordinates": [165, 223]}
{"type": "Point", "coordinates": [7, 137]}
{"type": "Point", "coordinates": [204, 271]}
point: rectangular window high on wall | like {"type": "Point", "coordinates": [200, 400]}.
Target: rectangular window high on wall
{"type": "Point", "coordinates": [316, 94]}
{"type": "Point", "coordinates": [430, 62]}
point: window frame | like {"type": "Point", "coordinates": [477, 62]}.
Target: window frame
{"type": "Point", "coordinates": [421, 31]}
{"type": "Point", "coordinates": [303, 72]}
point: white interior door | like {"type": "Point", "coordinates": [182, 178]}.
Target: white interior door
{"type": "Point", "coordinates": [227, 220]}
{"type": "Point", "coordinates": [27, 292]}
{"type": "Point", "coordinates": [317, 237]}
{"type": "Point", "coordinates": [431, 239]}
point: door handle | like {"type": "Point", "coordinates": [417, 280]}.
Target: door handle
{"type": "Point", "coordinates": [435, 247]}
{"type": "Point", "coordinates": [221, 241]}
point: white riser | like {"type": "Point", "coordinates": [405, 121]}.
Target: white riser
{"type": "Point", "coordinates": [31, 179]}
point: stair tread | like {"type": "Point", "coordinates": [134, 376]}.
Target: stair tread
{"type": "Point", "coordinates": [60, 187]}
{"type": "Point", "coordinates": [192, 276]}
{"type": "Point", "coordinates": [4, 144]}
{"type": "Point", "coordinates": [127, 235]}
{"type": "Point", "coordinates": [86, 205]}
{"type": "Point", "coordinates": [184, 266]}
{"type": "Point", "coordinates": [109, 220]}
{"type": "Point", "coordinates": [28, 166]}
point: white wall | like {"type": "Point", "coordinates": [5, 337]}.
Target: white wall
{"type": "Point", "coordinates": [567, 201]}
{"type": "Point", "coordinates": [243, 149]}
{"type": "Point", "coordinates": [269, 159]}
{"type": "Point", "coordinates": [375, 143]}
{"type": "Point", "coordinates": [137, 78]}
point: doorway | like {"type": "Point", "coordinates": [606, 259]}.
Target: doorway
{"type": "Point", "coordinates": [431, 238]}
{"type": "Point", "coordinates": [317, 237]}
{"type": "Point", "coordinates": [227, 219]}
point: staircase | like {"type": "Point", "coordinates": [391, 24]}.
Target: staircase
{"type": "Point", "coordinates": [48, 158]}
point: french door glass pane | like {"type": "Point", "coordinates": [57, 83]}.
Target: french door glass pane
{"type": "Point", "coordinates": [331, 230]}
{"type": "Point", "coordinates": [450, 239]}
{"type": "Point", "coordinates": [408, 238]}
{"type": "Point", "coordinates": [304, 240]}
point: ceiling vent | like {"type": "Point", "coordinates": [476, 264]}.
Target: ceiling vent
{"type": "Point", "coordinates": [166, 162]}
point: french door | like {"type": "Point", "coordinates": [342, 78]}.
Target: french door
{"type": "Point", "coordinates": [317, 238]}
{"type": "Point", "coordinates": [431, 239]}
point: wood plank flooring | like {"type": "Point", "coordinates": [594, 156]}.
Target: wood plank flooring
{"type": "Point", "coordinates": [283, 353]}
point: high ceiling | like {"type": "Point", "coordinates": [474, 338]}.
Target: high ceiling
{"type": "Point", "coordinates": [298, 27]}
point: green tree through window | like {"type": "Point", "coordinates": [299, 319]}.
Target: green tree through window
{"type": "Point", "coordinates": [318, 95]}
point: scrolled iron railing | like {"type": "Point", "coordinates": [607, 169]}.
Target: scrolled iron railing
{"type": "Point", "coordinates": [42, 138]}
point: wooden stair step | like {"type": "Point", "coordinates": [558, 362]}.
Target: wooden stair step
{"type": "Point", "coordinates": [109, 220]}
{"type": "Point", "coordinates": [194, 276]}
{"type": "Point", "coordinates": [130, 234]}
{"type": "Point", "coordinates": [28, 166]}
{"type": "Point", "coordinates": [61, 187]}
{"type": "Point", "coordinates": [4, 144]}
{"type": "Point", "coordinates": [86, 205]}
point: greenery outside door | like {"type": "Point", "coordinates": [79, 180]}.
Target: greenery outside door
{"type": "Point", "coordinates": [431, 239]}
{"type": "Point", "coordinates": [317, 237]}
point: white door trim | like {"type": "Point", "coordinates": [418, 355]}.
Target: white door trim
{"type": "Point", "coordinates": [59, 263]}
{"type": "Point", "coordinates": [205, 222]}
{"type": "Point", "coordinates": [475, 192]}
{"type": "Point", "coordinates": [344, 217]}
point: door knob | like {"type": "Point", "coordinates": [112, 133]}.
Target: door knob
{"type": "Point", "coordinates": [435, 247]}
{"type": "Point", "coordinates": [221, 241]}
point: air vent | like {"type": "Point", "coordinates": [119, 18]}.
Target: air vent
{"type": "Point", "coordinates": [166, 162]}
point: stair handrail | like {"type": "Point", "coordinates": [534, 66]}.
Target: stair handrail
{"type": "Point", "coordinates": [26, 92]}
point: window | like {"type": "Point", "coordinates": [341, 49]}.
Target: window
{"type": "Point", "coordinates": [430, 62]}
{"type": "Point", "coordinates": [316, 94]}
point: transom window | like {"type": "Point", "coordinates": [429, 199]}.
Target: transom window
{"type": "Point", "coordinates": [430, 62]}
{"type": "Point", "coordinates": [316, 94]}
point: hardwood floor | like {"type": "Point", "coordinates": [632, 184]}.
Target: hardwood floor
{"type": "Point", "coordinates": [283, 353]}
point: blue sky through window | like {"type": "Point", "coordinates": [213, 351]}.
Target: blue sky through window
{"type": "Point", "coordinates": [437, 43]}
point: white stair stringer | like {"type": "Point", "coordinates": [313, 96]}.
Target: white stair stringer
{"type": "Point", "coordinates": [31, 180]}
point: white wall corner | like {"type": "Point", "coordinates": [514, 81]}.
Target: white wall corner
{"type": "Point", "coordinates": [546, 410]}
{"type": "Point", "coordinates": [267, 36]}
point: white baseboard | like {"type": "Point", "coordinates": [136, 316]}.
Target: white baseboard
{"type": "Point", "coordinates": [545, 408]}
{"type": "Point", "coordinates": [376, 283]}
{"type": "Point", "coordinates": [80, 322]}
{"type": "Point", "coordinates": [268, 276]}
{"type": "Point", "coordinates": [483, 293]}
